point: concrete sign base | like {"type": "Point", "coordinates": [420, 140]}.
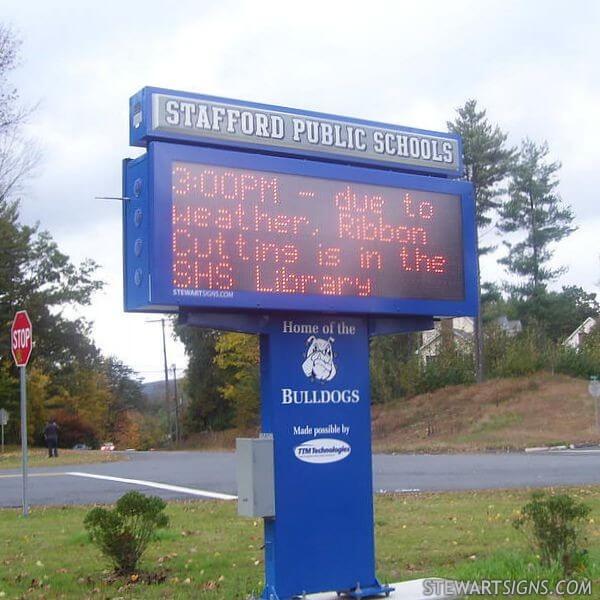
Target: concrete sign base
{"type": "Point", "coordinates": [407, 590]}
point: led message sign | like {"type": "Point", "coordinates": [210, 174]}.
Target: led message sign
{"type": "Point", "coordinates": [257, 231]}
{"type": "Point", "coordinates": [228, 230]}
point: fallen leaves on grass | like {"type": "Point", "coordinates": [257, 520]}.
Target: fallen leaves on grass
{"type": "Point", "coordinates": [139, 578]}
{"type": "Point", "coordinates": [209, 586]}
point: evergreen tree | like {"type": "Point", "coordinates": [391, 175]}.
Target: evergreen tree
{"type": "Point", "coordinates": [36, 275]}
{"type": "Point", "coordinates": [557, 314]}
{"type": "Point", "coordinates": [534, 208]}
{"type": "Point", "coordinates": [487, 161]}
{"type": "Point", "coordinates": [124, 384]}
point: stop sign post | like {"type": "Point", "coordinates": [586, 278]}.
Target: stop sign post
{"type": "Point", "coordinates": [21, 341]}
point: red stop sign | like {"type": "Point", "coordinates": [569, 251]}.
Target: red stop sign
{"type": "Point", "coordinates": [21, 338]}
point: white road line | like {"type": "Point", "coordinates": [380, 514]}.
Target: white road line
{"type": "Point", "coordinates": [15, 475]}
{"type": "Point", "coordinates": [160, 486]}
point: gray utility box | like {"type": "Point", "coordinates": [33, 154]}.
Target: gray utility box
{"type": "Point", "coordinates": [256, 484]}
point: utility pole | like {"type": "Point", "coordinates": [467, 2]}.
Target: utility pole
{"type": "Point", "coordinates": [594, 390]}
{"type": "Point", "coordinates": [167, 403]}
{"type": "Point", "coordinates": [478, 321]}
{"type": "Point", "coordinates": [166, 369]}
{"type": "Point", "coordinates": [3, 423]}
{"type": "Point", "coordinates": [177, 419]}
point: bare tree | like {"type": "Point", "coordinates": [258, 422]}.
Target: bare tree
{"type": "Point", "coordinates": [18, 159]}
{"type": "Point", "coordinates": [18, 155]}
{"type": "Point", "coordinates": [12, 113]}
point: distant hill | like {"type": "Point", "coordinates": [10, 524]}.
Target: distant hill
{"type": "Point", "coordinates": [154, 391]}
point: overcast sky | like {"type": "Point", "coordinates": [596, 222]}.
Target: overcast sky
{"type": "Point", "coordinates": [535, 66]}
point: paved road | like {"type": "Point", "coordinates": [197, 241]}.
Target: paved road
{"type": "Point", "coordinates": [211, 472]}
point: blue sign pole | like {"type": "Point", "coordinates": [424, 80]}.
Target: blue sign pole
{"type": "Point", "coordinates": [316, 404]}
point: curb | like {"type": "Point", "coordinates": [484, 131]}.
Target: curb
{"type": "Point", "coordinates": [537, 449]}
{"type": "Point", "coordinates": [549, 448]}
{"type": "Point", "coordinates": [562, 447]}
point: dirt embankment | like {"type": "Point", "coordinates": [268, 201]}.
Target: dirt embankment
{"type": "Point", "coordinates": [500, 414]}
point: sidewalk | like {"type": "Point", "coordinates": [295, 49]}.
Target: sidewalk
{"type": "Point", "coordinates": [407, 590]}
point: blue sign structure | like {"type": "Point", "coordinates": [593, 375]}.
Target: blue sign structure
{"type": "Point", "coordinates": [316, 232]}
{"type": "Point", "coordinates": [315, 399]}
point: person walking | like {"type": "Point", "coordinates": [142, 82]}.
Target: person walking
{"type": "Point", "coordinates": [51, 437]}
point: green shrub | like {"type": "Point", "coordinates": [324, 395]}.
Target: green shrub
{"type": "Point", "coordinates": [583, 362]}
{"type": "Point", "coordinates": [554, 524]}
{"type": "Point", "coordinates": [495, 348]}
{"type": "Point", "coordinates": [522, 354]}
{"type": "Point", "coordinates": [390, 357]}
{"type": "Point", "coordinates": [409, 378]}
{"type": "Point", "coordinates": [576, 364]}
{"type": "Point", "coordinates": [123, 534]}
{"type": "Point", "coordinates": [452, 366]}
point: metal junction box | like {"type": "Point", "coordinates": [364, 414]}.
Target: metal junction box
{"type": "Point", "coordinates": [256, 487]}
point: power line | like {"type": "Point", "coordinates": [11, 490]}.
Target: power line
{"type": "Point", "coordinates": [157, 370]}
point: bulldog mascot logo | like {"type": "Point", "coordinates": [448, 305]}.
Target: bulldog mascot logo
{"type": "Point", "coordinates": [318, 363]}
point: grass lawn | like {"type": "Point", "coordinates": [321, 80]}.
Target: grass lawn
{"type": "Point", "coordinates": [210, 553]}
{"type": "Point", "coordinates": [38, 457]}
